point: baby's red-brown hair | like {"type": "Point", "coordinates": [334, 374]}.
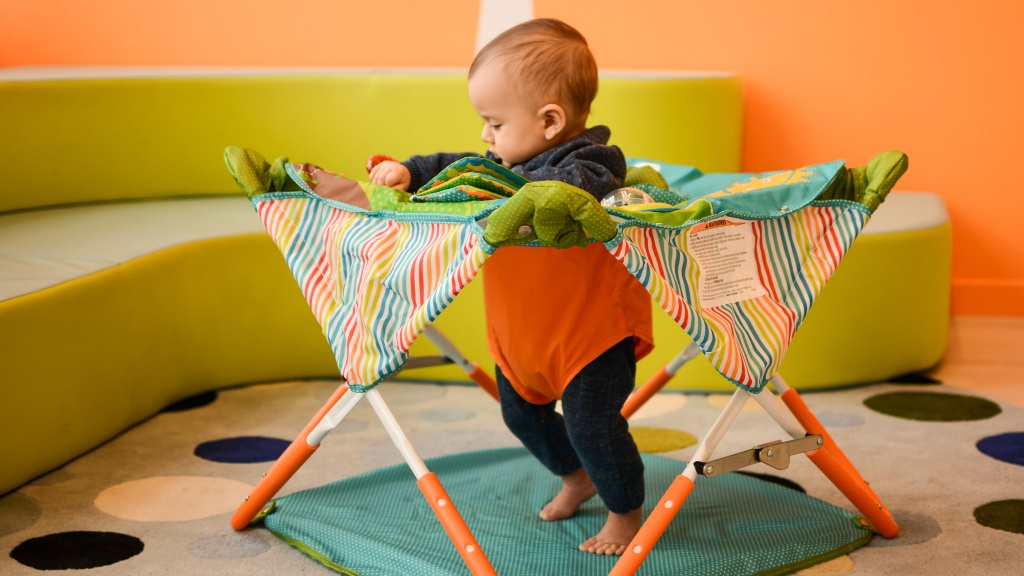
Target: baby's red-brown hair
{"type": "Point", "coordinates": [549, 62]}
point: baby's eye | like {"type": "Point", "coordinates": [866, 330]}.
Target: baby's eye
{"type": "Point", "coordinates": [495, 127]}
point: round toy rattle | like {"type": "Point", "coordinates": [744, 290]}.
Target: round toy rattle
{"type": "Point", "coordinates": [625, 197]}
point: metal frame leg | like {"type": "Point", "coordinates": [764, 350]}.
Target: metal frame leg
{"type": "Point", "coordinates": [326, 419]}
{"type": "Point", "coordinates": [472, 369]}
{"type": "Point", "coordinates": [658, 380]}
{"type": "Point", "coordinates": [662, 514]}
{"type": "Point", "coordinates": [789, 412]}
{"type": "Point", "coordinates": [834, 464]}
{"type": "Point", "coordinates": [436, 497]}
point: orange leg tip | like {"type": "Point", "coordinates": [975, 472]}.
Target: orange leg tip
{"type": "Point", "coordinates": [655, 525]}
{"type": "Point", "coordinates": [885, 524]}
{"type": "Point", "coordinates": [284, 468]}
{"type": "Point", "coordinates": [484, 380]}
{"type": "Point", "coordinates": [239, 522]}
{"type": "Point", "coordinates": [848, 481]}
{"type": "Point", "coordinates": [452, 522]}
{"type": "Point", "coordinates": [640, 397]}
{"type": "Point", "coordinates": [287, 464]}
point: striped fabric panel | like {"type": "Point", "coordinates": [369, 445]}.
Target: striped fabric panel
{"type": "Point", "coordinates": [373, 284]}
{"type": "Point", "coordinates": [795, 256]}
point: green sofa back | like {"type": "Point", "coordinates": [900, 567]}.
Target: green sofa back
{"type": "Point", "coordinates": [100, 139]}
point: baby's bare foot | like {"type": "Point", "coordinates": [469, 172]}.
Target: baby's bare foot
{"type": "Point", "coordinates": [615, 536]}
{"type": "Point", "coordinates": [576, 489]}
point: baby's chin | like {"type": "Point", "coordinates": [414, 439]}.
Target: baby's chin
{"type": "Point", "coordinates": [500, 160]}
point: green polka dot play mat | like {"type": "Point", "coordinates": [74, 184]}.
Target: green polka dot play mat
{"type": "Point", "coordinates": [378, 523]}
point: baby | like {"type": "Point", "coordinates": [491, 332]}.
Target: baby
{"type": "Point", "coordinates": [562, 324]}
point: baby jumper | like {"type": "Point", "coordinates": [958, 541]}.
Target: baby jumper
{"type": "Point", "coordinates": [735, 259]}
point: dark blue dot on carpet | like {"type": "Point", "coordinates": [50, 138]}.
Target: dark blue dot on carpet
{"type": "Point", "coordinates": [192, 402]}
{"type": "Point", "coordinates": [242, 449]}
{"type": "Point", "coordinates": [76, 550]}
{"type": "Point", "coordinates": [1007, 447]}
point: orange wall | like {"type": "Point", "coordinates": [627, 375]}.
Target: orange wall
{"type": "Point", "coordinates": [941, 80]}
{"type": "Point", "coordinates": [233, 32]}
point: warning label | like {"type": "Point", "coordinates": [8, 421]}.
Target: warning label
{"type": "Point", "coordinates": [724, 251]}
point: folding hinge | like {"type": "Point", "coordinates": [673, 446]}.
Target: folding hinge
{"type": "Point", "coordinates": [775, 454]}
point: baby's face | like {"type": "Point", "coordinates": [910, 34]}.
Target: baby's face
{"type": "Point", "coordinates": [514, 131]}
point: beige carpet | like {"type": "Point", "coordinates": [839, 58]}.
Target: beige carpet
{"type": "Point", "coordinates": [157, 499]}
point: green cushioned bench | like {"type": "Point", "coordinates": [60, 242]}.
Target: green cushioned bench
{"type": "Point", "coordinates": [131, 269]}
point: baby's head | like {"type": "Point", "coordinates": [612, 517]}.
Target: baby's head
{"type": "Point", "coordinates": [533, 86]}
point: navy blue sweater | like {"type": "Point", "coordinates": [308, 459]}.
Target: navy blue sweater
{"type": "Point", "coordinates": [586, 162]}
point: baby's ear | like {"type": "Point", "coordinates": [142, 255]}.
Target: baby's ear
{"type": "Point", "coordinates": [554, 120]}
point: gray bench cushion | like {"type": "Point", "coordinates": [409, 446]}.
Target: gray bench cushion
{"type": "Point", "coordinates": [43, 248]}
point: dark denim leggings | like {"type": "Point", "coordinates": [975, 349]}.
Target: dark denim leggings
{"type": "Point", "coordinates": [592, 434]}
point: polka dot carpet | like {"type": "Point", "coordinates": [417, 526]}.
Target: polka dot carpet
{"type": "Point", "coordinates": [156, 500]}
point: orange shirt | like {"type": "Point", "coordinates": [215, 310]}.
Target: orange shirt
{"type": "Point", "coordinates": [550, 312]}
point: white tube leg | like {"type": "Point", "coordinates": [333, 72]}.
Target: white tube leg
{"type": "Point", "coordinates": [710, 442]}
{"type": "Point", "coordinates": [400, 440]}
{"type": "Point", "coordinates": [689, 353]}
{"type": "Point", "coordinates": [333, 418]}
{"type": "Point", "coordinates": [448, 348]}
{"type": "Point", "coordinates": [780, 413]}
{"type": "Point", "coordinates": [779, 384]}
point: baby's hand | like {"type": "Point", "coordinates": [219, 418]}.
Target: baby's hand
{"type": "Point", "coordinates": [392, 174]}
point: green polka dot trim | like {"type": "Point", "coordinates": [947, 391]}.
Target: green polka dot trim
{"type": "Point", "coordinates": [555, 213]}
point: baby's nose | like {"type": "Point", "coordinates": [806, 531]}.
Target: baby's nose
{"type": "Point", "coordinates": [487, 135]}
